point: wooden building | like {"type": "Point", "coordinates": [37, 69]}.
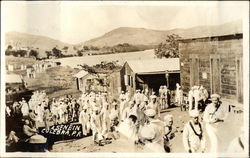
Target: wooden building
{"type": "Point", "coordinates": [87, 82]}
{"type": "Point", "coordinates": [15, 89]}
{"type": "Point", "coordinates": [150, 74]}
{"type": "Point", "coordinates": [214, 62]}
{"type": "Point", "coordinates": [83, 79]}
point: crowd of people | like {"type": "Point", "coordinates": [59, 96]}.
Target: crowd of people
{"type": "Point", "coordinates": [135, 116]}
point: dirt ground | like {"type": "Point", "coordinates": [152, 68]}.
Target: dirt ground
{"type": "Point", "coordinates": [232, 124]}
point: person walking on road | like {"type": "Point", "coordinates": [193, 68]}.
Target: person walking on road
{"type": "Point", "coordinates": [193, 135]}
{"type": "Point", "coordinates": [214, 115]}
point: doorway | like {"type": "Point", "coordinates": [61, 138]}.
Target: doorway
{"type": "Point", "coordinates": [215, 75]}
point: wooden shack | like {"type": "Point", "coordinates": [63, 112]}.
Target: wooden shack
{"type": "Point", "coordinates": [214, 62]}
{"type": "Point", "coordinates": [150, 74]}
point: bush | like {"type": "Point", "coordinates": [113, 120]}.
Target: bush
{"type": "Point", "coordinates": [79, 53]}
{"type": "Point", "coordinates": [33, 53]}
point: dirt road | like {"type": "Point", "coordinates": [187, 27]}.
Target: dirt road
{"type": "Point", "coordinates": [232, 124]}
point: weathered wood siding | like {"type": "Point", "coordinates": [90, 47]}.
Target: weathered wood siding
{"type": "Point", "coordinates": [126, 70]}
{"type": "Point", "coordinates": [221, 56]}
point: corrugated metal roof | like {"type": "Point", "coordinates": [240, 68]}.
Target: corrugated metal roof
{"type": "Point", "coordinates": [154, 66]}
{"type": "Point", "coordinates": [81, 74]}
{"type": "Point", "coordinates": [13, 78]}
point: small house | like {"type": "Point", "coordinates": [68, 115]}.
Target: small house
{"type": "Point", "coordinates": [150, 74]}
{"type": "Point", "coordinates": [87, 82]}
{"type": "Point", "coordinates": [14, 83]}
{"type": "Point", "coordinates": [83, 79]}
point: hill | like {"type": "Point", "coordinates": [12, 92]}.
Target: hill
{"type": "Point", "coordinates": [142, 36]}
{"type": "Point", "coordinates": [137, 38]}
{"type": "Point", "coordinates": [23, 40]}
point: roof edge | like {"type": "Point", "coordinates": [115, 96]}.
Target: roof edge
{"type": "Point", "coordinates": [218, 37]}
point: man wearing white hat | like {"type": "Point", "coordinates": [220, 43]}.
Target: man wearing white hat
{"type": "Point", "coordinates": [137, 96]}
{"type": "Point", "coordinates": [177, 92]}
{"type": "Point", "coordinates": [96, 126]}
{"type": "Point", "coordinates": [122, 96]}
{"type": "Point", "coordinates": [193, 137]}
{"type": "Point", "coordinates": [123, 103]}
{"type": "Point", "coordinates": [127, 95]}
{"type": "Point", "coordinates": [153, 104]}
{"type": "Point", "coordinates": [214, 115]}
{"type": "Point", "coordinates": [166, 97]}
{"type": "Point", "coordinates": [152, 95]}
{"type": "Point", "coordinates": [193, 98]}
{"type": "Point", "coordinates": [105, 112]}
{"type": "Point", "coordinates": [202, 98]}
{"type": "Point", "coordinates": [140, 112]}
{"type": "Point", "coordinates": [127, 110]}
{"type": "Point", "coordinates": [84, 119]}
{"type": "Point", "coordinates": [161, 96]}
{"type": "Point", "coordinates": [152, 133]}
{"type": "Point", "coordinates": [168, 132]}
{"type": "Point", "coordinates": [114, 113]}
{"type": "Point", "coordinates": [25, 107]}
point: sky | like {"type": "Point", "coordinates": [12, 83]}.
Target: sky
{"type": "Point", "coordinates": [78, 21]}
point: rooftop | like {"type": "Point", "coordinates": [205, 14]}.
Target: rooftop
{"type": "Point", "coordinates": [217, 37]}
{"type": "Point", "coordinates": [81, 74]}
{"type": "Point", "coordinates": [13, 78]}
{"type": "Point", "coordinates": [155, 66]}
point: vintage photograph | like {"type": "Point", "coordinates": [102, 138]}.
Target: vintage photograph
{"type": "Point", "coordinates": [125, 77]}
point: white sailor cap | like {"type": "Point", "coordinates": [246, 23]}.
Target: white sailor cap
{"type": "Point", "coordinates": [168, 117]}
{"type": "Point", "coordinates": [153, 96]}
{"type": "Point", "coordinates": [194, 113]}
{"type": "Point", "coordinates": [215, 96]}
{"type": "Point", "coordinates": [147, 132]}
{"type": "Point", "coordinates": [150, 112]}
{"type": "Point", "coordinates": [85, 107]}
{"type": "Point", "coordinates": [145, 99]}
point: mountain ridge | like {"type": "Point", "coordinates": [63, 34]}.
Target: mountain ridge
{"type": "Point", "coordinates": [120, 35]}
{"type": "Point", "coordinates": [139, 36]}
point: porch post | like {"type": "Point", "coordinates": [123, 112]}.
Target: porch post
{"type": "Point", "coordinates": [167, 78]}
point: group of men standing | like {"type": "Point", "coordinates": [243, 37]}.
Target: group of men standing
{"type": "Point", "coordinates": [135, 116]}
{"type": "Point", "coordinates": [100, 115]}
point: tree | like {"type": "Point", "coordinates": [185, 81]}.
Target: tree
{"type": "Point", "coordinates": [85, 48]}
{"type": "Point", "coordinates": [9, 47]}
{"type": "Point", "coordinates": [22, 53]}
{"type": "Point", "coordinates": [33, 53]}
{"type": "Point", "coordinates": [169, 48]}
{"type": "Point", "coordinates": [57, 53]}
{"type": "Point", "coordinates": [48, 54]}
{"type": "Point", "coordinates": [87, 68]}
{"type": "Point", "coordinates": [79, 53]}
{"type": "Point", "coordinates": [9, 50]}
{"type": "Point", "coordinates": [65, 48]}
{"type": "Point", "coordinates": [103, 67]}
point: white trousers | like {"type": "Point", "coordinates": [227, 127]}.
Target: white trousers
{"type": "Point", "coordinates": [213, 137]}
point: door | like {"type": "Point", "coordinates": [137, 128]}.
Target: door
{"type": "Point", "coordinates": [215, 75]}
{"type": "Point", "coordinates": [239, 79]}
{"type": "Point", "coordinates": [77, 83]}
{"type": "Point", "coordinates": [194, 72]}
